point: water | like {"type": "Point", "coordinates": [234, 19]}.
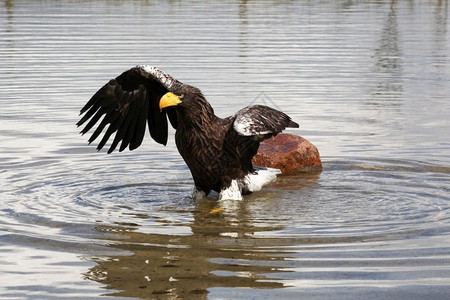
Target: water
{"type": "Point", "coordinates": [368, 81]}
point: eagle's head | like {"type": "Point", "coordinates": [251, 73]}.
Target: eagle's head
{"type": "Point", "coordinates": [192, 108]}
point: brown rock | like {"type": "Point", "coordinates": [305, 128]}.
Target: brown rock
{"type": "Point", "coordinates": [290, 153]}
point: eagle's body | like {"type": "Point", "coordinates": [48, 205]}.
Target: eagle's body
{"type": "Point", "coordinates": [217, 151]}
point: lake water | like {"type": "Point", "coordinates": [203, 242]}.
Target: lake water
{"type": "Point", "coordinates": [368, 82]}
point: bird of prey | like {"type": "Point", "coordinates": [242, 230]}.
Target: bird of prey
{"type": "Point", "coordinates": [218, 151]}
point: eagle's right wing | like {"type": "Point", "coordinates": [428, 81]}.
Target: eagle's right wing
{"type": "Point", "coordinates": [126, 104]}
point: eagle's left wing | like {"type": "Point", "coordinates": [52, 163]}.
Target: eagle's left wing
{"type": "Point", "coordinates": [260, 122]}
{"type": "Point", "coordinates": [253, 124]}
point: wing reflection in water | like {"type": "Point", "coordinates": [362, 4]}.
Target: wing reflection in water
{"type": "Point", "coordinates": [220, 252]}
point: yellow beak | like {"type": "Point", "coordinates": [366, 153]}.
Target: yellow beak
{"type": "Point", "coordinates": [169, 99]}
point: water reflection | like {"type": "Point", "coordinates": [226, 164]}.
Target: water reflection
{"type": "Point", "coordinates": [440, 35]}
{"type": "Point", "coordinates": [220, 252]}
{"type": "Point", "coordinates": [388, 64]}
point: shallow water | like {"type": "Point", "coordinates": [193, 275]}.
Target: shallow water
{"type": "Point", "coordinates": [368, 81]}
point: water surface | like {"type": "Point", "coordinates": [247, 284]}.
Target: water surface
{"type": "Point", "coordinates": [368, 81]}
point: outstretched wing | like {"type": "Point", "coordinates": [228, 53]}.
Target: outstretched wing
{"type": "Point", "coordinates": [253, 124]}
{"type": "Point", "coordinates": [126, 104]}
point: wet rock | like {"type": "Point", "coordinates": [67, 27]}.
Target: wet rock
{"type": "Point", "coordinates": [290, 153]}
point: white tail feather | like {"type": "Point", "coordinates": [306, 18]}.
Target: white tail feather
{"type": "Point", "coordinates": [253, 182]}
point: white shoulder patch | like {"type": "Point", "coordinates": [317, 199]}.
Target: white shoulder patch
{"type": "Point", "coordinates": [161, 76]}
{"type": "Point", "coordinates": [246, 125]}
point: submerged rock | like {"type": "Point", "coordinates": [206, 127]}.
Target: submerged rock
{"type": "Point", "coordinates": [290, 153]}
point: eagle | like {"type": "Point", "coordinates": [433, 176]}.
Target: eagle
{"type": "Point", "coordinates": [218, 151]}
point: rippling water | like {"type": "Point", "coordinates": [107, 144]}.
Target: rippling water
{"type": "Point", "coordinates": [368, 81]}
